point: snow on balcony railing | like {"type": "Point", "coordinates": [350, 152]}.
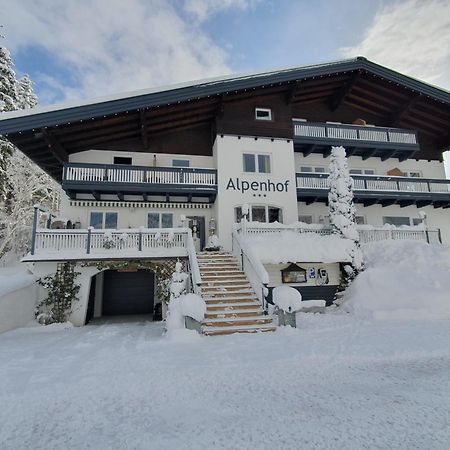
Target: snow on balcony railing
{"type": "Point", "coordinates": [367, 233]}
{"type": "Point", "coordinates": [94, 243]}
{"type": "Point", "coordinates": [377, 183]}
{"type": "Point", "coordinates": [353, 132]}
{"type": "Point", "coordinates": [99, 173]}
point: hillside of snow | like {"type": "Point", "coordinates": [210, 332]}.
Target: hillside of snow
{"type": "Point", "coordinates": [403, 280]}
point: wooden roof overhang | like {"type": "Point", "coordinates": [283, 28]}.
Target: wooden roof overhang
{"type": "Point", "coordinates": [49, 135]}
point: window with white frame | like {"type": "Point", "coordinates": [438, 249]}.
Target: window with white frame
{"type": "Point", "coordinates": [124, 160]}
{"type": "Point", "coordinates": [362, 172]}
{"type": "Point", "coordinates": [260, 213]}
{"type": "Point", "coordinates": [100, 220]}
{"type": "Point", "coordinates": [396, 221]}
{"type": "Point", "coordinates": [256, 163]}
{"type": "Point", "coordinates": [160, 220]}
{"type": "Point", "coordinates": [309, 169]}
{"type": "Point", "coordinates": [412, 174]}
{"type": "Point", "coordinates": [263, 114]}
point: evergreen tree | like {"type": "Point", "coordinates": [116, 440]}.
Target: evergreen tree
{"type": "Point", "coordinates": [26, 98]}
{"type": "Point", "coordinates": [8, 100]}
{"type": "Point", "coordinates": [340, 201]}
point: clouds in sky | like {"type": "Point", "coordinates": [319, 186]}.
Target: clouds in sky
{"type": "Point", "coordinates": [412, 37]}
{"type": "Point", "coordinates": [112, 46]}
{"type": "Point", "coordinates": [89, 48]}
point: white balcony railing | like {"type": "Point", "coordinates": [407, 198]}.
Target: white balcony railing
{"type": "Point", "coordinates": [336, 132]}
{"type": "Point", "coordinates": [377, 183]}
{"type": "Point", "coordinates": [109, 173]}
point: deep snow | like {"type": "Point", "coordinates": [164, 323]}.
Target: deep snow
{"type": "Point", "coordinates": [334, 383]}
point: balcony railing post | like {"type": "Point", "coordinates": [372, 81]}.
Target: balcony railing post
{"type": "Point", "coordinates": [88, 242]}
{"type": "Point", "coordinates": [439, 236]}
{"type": "Point", "coordinates": [427, 236]}
{"type": "Point", "coordinates": [34, 229]}
{"type": "Point", "coordinates": [140, 239]}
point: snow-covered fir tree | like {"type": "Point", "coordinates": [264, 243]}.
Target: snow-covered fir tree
{"type": "Point", "coordinates": [22, 183]}
{"type": "Point", "coordinates": [26, 98]}
{"type": "Point", "coordinates": [8, 102]}
{"type": "Point", "coordinates": [340, 200]}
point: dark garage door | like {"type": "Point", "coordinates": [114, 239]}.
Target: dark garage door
{"type": "Point", "coordinates": [128, 292]}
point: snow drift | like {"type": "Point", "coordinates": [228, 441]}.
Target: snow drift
{"type": "Point", "coordinates": [402, 280]}
{"type": "Point", "coordinates": [287, 298]}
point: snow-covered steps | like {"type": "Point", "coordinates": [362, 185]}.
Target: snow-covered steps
{"type": "Point", "coordinates": [232, 329]}
{"type": "Point", "coordinates": [231, 303]}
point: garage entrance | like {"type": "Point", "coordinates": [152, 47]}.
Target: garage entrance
{"type": "Point", "coordinates": [128, 292]}
{"type": "Point", "coordinates": [121, 293]}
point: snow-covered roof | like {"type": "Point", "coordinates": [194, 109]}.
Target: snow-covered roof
{"type": "Point", "coordinates": [57, 114]}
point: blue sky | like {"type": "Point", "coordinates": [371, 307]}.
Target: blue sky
{"type": "Point", "coordinates": [80, 49]}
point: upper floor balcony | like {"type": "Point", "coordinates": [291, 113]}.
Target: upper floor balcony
{"type": "Point", "coordinates": [359, 140]}
{"type": "Point", "coordinates": [100, 180]}
{"type": "Point", "coordinates": [383, 190]}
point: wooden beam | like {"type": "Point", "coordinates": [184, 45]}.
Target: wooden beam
{"type": "Point", "coordinates": [292, 92]}
{"type": "Point", "coordinates": [369, 153]}
{"type": "Point", "coordinates": [387, 155]}
{"type": "Point", "coordinates": [309, 150]}
{"type": "Point", "coordinates": [340, 95]}
{"type": "Point", "coordinates": [143, 125]}
{"type": "Point", "coordinates": [55, 147]}
{"type": "Point", "coordinates": [396, 117]}
{"type": "Point", "coordinates": [327, 152]}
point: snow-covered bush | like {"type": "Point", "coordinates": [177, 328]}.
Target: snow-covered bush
{"type": "Point", "coordinates": [62, 292]}
{"type": "Point", "coordinates": [213, 243]}
{"type": "Point", "coordinates": [192, 305]}
{"type": "Point", "coordinates": [287, 298]}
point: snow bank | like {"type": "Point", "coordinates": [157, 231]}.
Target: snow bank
{"type": "Point", "coordinates": [287, 298]}
{"type": "Point", "coordinates": [192, 305]}
{"type": "Point", "coordinates": [14, 278]}
{"type": "Point", "coordinates": [288, 246]}
{"type": "Point", "coordinates": [403, 280]}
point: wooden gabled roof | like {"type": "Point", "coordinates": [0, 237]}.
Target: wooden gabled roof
{"type": "Point", "coordinates": [49, 135]}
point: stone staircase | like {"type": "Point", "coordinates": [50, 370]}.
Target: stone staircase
{"type": "Point", "coordinates": [231, 304]}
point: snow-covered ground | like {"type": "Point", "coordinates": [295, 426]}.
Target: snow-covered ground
{"type": "Point", "coordinates": [363, 379]}
{"type": "Point", "coordinates": [336, 382]}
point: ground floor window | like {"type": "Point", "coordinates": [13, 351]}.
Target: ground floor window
{"type": "Point", "coordinates": [397, 221]}
{"type": "Point", "coordinates": [305, 219]}
{"type": "Point", "coordinates": [260, 213]}
{"type": "Point", "coordinates": [160, 220]}
{"type": "Point", "coordinates": [100, 220]}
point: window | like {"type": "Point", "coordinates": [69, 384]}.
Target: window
{"type": "Point", "coordinates": [166, 220]}
{"type": "Point", "coordinates": [274, 214]}
{"type": "Point", "coordinates": [180, 163]}
{"type": "Point", "coordinates": [153, 220]}
{"type": "Point", "coordinates": [263, 163]}
{"type": "Point", "coordinates": [412, 174]}
{"type": "Point", "coordinates": [362, 172]}
{"type": "Point", "coordinates": [310, 169]}
{"type": "Point", "coordinates": [100, 220]}
{"type": "Point", "coordinates": [126, 160]}
{"type": "Point", "coordinates": [360, 220]}
{"type": "Point", "coordinates": [263, 114]}
{"type": "Point", "coordinates": [157, 220]}
{"type": "Point", "coordinates": [260, 213]}
{"type": "Point", "coordinates": [305, 219]}
{"type": "Point", "coordinates": [397, 221]}
{"type": "Point", "coordinates": [249, 162]}
{"type": "Point", "coordinates": [417, 221]}
{"type": "Point", "coordinates": [256, 163]}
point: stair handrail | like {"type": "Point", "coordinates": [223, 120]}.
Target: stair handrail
{"type": "Point", "coordinates": [252, 267]}
{"type": "Point", "coordinates": [193, 263]}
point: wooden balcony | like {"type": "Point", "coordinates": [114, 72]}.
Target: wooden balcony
{"type": "Point", "coordinates": [122, 181]}
{"type": "Point", "coordinates": [365, 141]}
{"type": "Point", "coordinates": [384, 190]}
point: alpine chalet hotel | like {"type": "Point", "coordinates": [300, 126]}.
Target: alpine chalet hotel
{"type": "Point", "coordinates": [149, 176]}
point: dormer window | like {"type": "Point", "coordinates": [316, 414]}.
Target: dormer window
{"type": "Point", "coordinates": [263, 114]}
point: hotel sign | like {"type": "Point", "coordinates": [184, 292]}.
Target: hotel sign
{"type": "Point", "coordinates": [236, 184]}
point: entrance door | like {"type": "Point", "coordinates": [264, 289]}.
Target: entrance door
{"type": "Point", "coordinates": [128, 292]}
{"type": "Point", "coordinates": [197, 225]}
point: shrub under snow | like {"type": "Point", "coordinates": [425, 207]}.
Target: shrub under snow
{"type": "Point", "coordinates": [192, 305]}
{"type": "Point", "coordinates": [402, 280]}
{"type": "Point", "coordinates": [287, 298]}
